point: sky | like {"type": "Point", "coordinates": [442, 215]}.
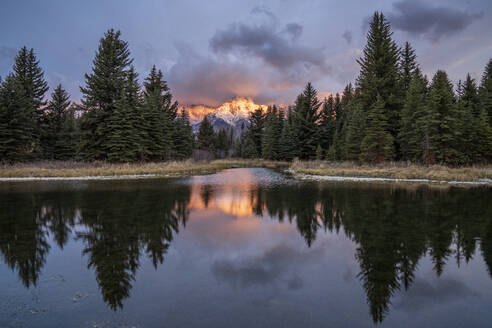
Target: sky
{"type": "Point", "coordinates": [212, 51]}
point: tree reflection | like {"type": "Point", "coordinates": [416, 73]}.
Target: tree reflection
{"type": "Point", "coordinates": [118, 223]}
{"type": "Point", "coordinates": [393, 228]}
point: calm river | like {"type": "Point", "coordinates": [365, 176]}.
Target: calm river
{"type": "Point", "coordinates": [244, 248]}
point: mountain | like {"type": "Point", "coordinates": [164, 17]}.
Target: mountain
{"type": "Point", "coordinates": [233, 114]}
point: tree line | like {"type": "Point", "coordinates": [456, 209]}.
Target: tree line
{"type": "Point", "coordinates": [117, 120]}
{"type": "Point", "coordinates": [392, 112]}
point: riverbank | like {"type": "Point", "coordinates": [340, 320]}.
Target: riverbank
{"type": "Point", "coordinates": [391, 172]}
{"type": "Point", "coordinates": [72, 169]}
{"type": "Point", "coordinates": [313, 170]}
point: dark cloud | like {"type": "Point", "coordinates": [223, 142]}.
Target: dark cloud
{"type": "Point", "coordinates": [294, 30]}
{"type": "Point", "coordinates": [431, 22]}
{"type": "Point", "coordinates": [347, 35]}
{"type": "Point", "coordinates": [269, 44]}
{"type": "Point", "coordinates": [195, 79]}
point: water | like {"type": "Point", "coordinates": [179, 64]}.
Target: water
{"type": "Point", "coordinates": [244, 248]}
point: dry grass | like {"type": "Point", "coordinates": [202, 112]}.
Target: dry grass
{"type": "Point", "coordinates": [82, 169]}
{"type": "Point", "coordinates": [185, 168]}
{"type": "Point", "coordinates": [396, 170]}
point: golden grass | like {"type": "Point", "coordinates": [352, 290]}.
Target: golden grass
{"type": "Point", "coordinates": [396, 170]}
{"type": "Point", "coordinates": [81, 169]}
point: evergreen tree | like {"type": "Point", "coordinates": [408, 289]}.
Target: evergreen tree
{"type": "Point", "coordinates": [159, 114]}
{"type": "Point", "coordinates": [469, 115]}
{"type": "Point", "coordinates": [408, 65]}
{"type": "Point", "coordinates": [221, 143]}
{"type": "Point", "coordinates": [486, 90]}
{"type": "Point", "coordinates": [377, 145]}
{"type": "Point", "coordinates": [123, 137]}
{"type": "Point", "coordinates": [354, 133]}
{"type": "Point", "coordinates": [183, 138]}
{"type": "Point", "coordinates": [442, 121]}
{"type": "Point", "coordinates": [255, 129]}
{"type": "Point", "coordinates": [101, 93]}
{"type": "Point", "coordinates": [304, 122]}
{"type": "Point", "coordinates": [327, 122]}
{"type": "Point", "coordinates": [273, 130]}
{"type": "Point", "coordinates": [205, 138]}
{"type": "Point", "coordinates": [379, 74]}
{"type": "Point", "coordinates": [411, 134]}
{"type": "Point", "coordinates": [484, 134]}
{"type": "Point", "coordinates": [16, 143]}
{"type": "Point", "coordinates": [31, 79]}
{"type": "Point", "coordinates": [57, 139]}
{"type": "Point", "coordinates": [288, 148]}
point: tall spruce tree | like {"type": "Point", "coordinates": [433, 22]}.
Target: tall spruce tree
{"type": "Point", "coordinates": [58, 139]}
{"type": "Point", "coordinates": [377, 145]}
{"type": "Point", "coordinates": [354, 132]}
{"type": "Point", "coordinates": [408, 65]}
{"type": "Point", "coordinates": [486, 90]}
{"type": "Point", "coordinates": [123, 136]}
{"type": "Point", "coordinates": [205, 138]}
{"type": "Point", "coordinates": [101, 93]}
{"type": "Point", "coordinates": [327, 122]}
{"type": "Point", "coordinates": [183, 136]}
{"type": "Point", "coordinates": [304, 122]}
{"type": "Point", "coordinates": [256, 129]}
{"type": "Point", "coordinates": [411, 134]}
{"type": "Point", "coordinates": [288, 149]}
{"type": "Point", "coordinates": [380, 73]}
{"type": "Point", "coordinates": [272, 133]}
{"type": "Point", "coordinates": [469, 111]}
{"type": "Point", "coordinates": [31, 79]}
{"type": "Point", "coordinates": [159, 113]}
{"type": "Point", "coordinates": [442, 121]}
{"type": "Point", "coordinates": [16, 142]}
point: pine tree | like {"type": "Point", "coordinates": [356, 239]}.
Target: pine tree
{"type": "Point", "coordinates": [304, 122]}
{"type": "Point", "coordinates": [159, 114]}
{"type": "Point", "coordinates": [101, 92]}
{"type": "Point", "coordinates": [183, 137]}
{"type": "Point", "coordinates": [377, 145]}
{"type": "Point", "coordinates": [485, 91]}
{"type": "Point", "coordinates": [288, 148]}
{"type": "Point", "coordinates": [16, 143]}
{"type": "Point", "coordinates": [443, 120]}
{"type": "Point", "coordinates": [272, 133]}
{"type": "Point", "coordinates": [469, 114]}
{"type": "Point", "coordinates": [379, 72]}
{"type": "Point", "coordinates": [411, 134]}
{"type": "Point", "coordinates": [354, 133]}
{"type": "Point", "coordinates": [57, 139]}
{"type": "Point", "coordinates": [408, 65]}
{"type": "Point", "coordinates": [205, 138]}
{"type": "Point", "coordinates": [124, 139]}
{"type": "Point", "coordinates": [484, 134]}
{"type": "Point", "coordinates": [327, 122]}
{"type": "Point", "coordinates": [255, 129]}
{"type": "Point", "coordinates": [31, 79]}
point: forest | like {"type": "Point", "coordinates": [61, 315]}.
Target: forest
{"type": "Point", "coordinates": [392, 112]}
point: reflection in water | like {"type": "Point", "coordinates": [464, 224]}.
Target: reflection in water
{"type": "Point", "coordinates": [393, 227]}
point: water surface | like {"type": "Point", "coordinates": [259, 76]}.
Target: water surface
{"type": "Point", "coordinates": [244, 248]}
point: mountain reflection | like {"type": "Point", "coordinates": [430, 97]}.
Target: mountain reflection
{"type": "Point", "coordinates": [118, 223]}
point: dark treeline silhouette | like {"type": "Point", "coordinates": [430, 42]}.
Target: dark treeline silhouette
{"type": "Point", "coordinates": [393, 228]}
{"type": "Point", "coordinates": [391, 112]}
{"type": "Point", "coordinates": [114, 231]}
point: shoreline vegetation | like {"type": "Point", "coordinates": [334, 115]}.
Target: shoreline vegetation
{"type": "Point", "coordinates": [300, 169]}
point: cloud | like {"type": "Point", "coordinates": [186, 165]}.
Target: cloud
{"type": "Point", "coordinates": [268, 44]}
{"type": "Point", "coordinates": [430, 22]}
{"type": "Point", "coordinates": [347, 35]}
{"type": "Point", "coordinates": [423, 294]}
{"type": "Point", "coordinates": [265, 62]}
{"type": "Point", "coordinates": [277, 265]}
{"type": "Point", "coordinates": [197, 79]}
